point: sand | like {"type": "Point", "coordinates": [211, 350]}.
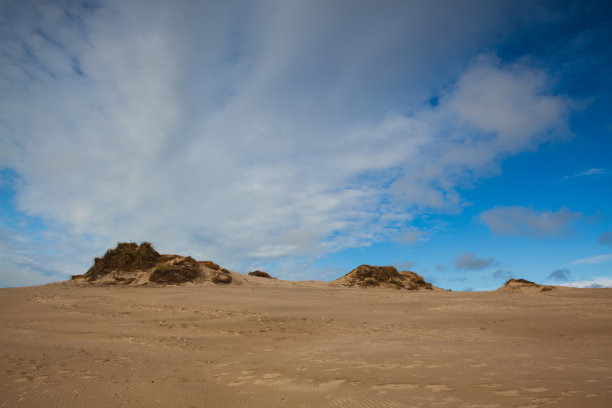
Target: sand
{"type": "Point", "coordinates": [280, 344]}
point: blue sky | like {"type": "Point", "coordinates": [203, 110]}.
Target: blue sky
{"type": "Point", "coordinates": [467, 141]}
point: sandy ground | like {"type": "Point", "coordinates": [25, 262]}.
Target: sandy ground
{"type": "Point", "coordinates": [266, 346]}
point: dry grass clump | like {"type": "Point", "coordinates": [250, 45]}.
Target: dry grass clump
{"type": "Point", "coordinates": [210, 265]}
{"type": "Point", "coordinates": [524, 281]}
{"type": "Point", "coordinates": [261, 274]}
{"type": "Point", "coordinates": [185, 270]}
{"type": "Point", "coordinates": [221, 276]}
{"type": "Point", "coordinates": [127, 256]}
{"type": "Point", "coordinates": [383, 276]}
{"type": "Point", "coordinates": [414, 281]}
{"type": "Point", "coordinates": [522, 285]}
{"type": "Point", "coordinates": [367, 275]}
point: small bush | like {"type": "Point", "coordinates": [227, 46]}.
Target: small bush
{"type": "Point", "coordinates": [520, 281]}
{"type": "Point", "coordinates": [261, 274]}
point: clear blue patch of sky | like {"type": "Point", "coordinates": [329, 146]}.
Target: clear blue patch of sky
{"type": "Point", "coordinates": [11, 218]}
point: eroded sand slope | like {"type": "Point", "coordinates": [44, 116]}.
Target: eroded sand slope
{"type": "Point", "coordinates": [278, 346]}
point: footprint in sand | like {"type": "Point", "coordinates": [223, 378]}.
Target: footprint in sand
{"type": "Point", "coordinates": [332, 384]}
{"type": "Point", "coordinates": [415, 365]}
{"type": "Point", "coordinates": [571, 393]}
{"type": "Point", "coordinates": [548, 400]}
{"type": "Point", "coordinates": [395, 386]}
{"type": "Point", "coordinates": [489, 385]}
{"type": "Point", "coordinates": [507, 393]}
{"type": "Point", "coordinates": [267, 378]}
{"type": "Point", "coordinates": [536, 389]}
{"type": "Point", "coordinates": [438, 387]}
{"type": "Point", "coordinates": [271, 375]}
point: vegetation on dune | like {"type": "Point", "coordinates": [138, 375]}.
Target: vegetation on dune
{"type": "Point", "coordinates": [210, 265]}
{"type": "Point", "coordinates": [384, 276]}
{"type": "Point", "coordinates": [127, 256]}
{"type": "Point", "coordinates": [185, 270]}
{"type": "Point", "coordinates": [524, 281]}
{"type": "Point", "coordinates": [261, 274]}
{"type": "Point", "coordinates": [524, 284]}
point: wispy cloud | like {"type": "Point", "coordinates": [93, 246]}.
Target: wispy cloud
{"type": "Point", "coordinates": [587, 173]}
{"type": "Point", "coordinates": [469, 261]}
{"type": "Point", "coordinates": [525, 221]}
{"type": "Point", "coordinates": [594, 260]}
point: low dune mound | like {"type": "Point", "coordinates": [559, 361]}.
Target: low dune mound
{"type": "Point", "coordinates": [133, 264]}
{"type": "Point", "coordinates": [383, 276]}
{"type": "Point", "coordinates": [523, 285]}
{"type": "Point", "coordinates": [261, 274]}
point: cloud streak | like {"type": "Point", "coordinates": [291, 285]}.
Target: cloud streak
{"type": "Point", "coordinates": [592, 172]}
{"type": "Point", "coordinates": [528, 222]}
{"type": "Point", "coordinates": [593, 260]}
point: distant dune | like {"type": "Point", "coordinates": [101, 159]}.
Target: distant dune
{"type": "Point", "coordinates": [383, 277]}
{"type": "Point", "coordinates": [130, 264]}
{"type": "Point", "coordinates": [141, 265]}
{"type": "Point", "coordinates": [523, 285]}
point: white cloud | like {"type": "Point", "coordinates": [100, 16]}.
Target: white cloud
{"type": "Point", "coordinates": [594, 260]}
{"type": "Point", "coordinates": [600, 282]}
{"type": "Point", "coordinates": [243, 134]}
{"type": "Point", "coordinates": [508, 103]}
{"type": "Point", "coordinates": [524, 221]}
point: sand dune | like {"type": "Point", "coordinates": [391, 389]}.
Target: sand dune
{"type": "Point", "coordinates": [141, 329]}
{"type": "Point", "coordinates": [263, 342]}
